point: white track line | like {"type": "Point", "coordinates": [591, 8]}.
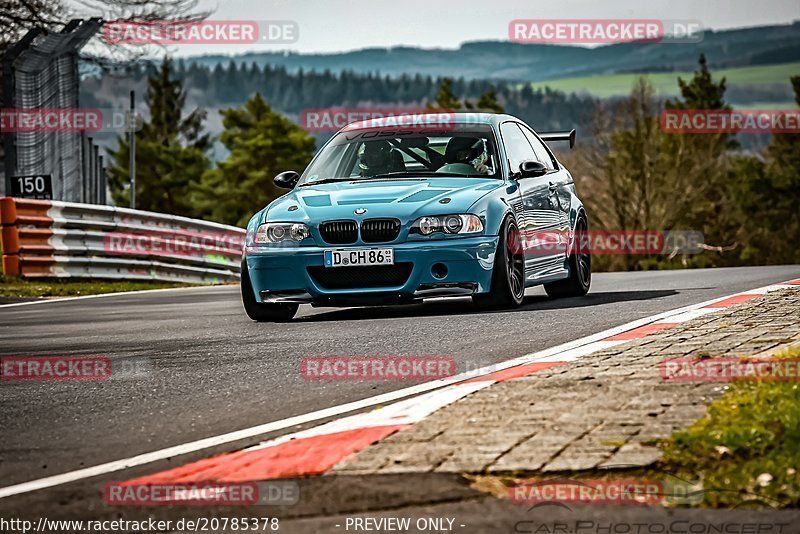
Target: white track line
{"type": "Point", "coordinates": [406, 412]}
{"type": "Point", "coordinates": [206, 443]}
{"type": "Point", "coordinates": [333, 411]}
{"type": "Point", "coordinates": [47, 300]}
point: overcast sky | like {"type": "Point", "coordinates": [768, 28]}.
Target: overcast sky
{"type": "Point", "coordinates": [340, 25]}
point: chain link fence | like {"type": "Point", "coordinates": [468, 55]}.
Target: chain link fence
{"type": "Point", "coordinates": [41, 72]}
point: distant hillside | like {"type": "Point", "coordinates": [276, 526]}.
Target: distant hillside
{"type": "Point", "coordinates": [764, 45]}
{"type": "Point", "coordinates": [755, 86]}
{"type": "Point", "coordinates": [290, 93]}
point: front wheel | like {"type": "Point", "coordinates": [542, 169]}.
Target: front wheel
{"type": "Point", "coordinates": [579, 265]}
{"type": "Point", "coordinates": [259, 311]}
{"type": "Point", "coordinates": [508, 274]}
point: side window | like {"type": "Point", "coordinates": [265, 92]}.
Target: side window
{"type": "Point", "coordinates": [541, 151]}
{"type": "Point", "coordinates": [517, 147]}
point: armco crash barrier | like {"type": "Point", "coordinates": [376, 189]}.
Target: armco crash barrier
{"type": "Point", "coordinates": [42, 238]}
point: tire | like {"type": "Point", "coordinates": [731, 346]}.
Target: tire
{"type": "Point", "coordinates": [580, 269]}
{"type": "Point", "coordinates": [508, 275]}
{"type": "Point", "coordinates": [260, 312]}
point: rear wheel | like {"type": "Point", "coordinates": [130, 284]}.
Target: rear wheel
{"type": "Point", "coordinates": [259, 311]}
{"type": "Point", "coordinates": [579, 265]}
{"type": "Point", "coordinates": [508, 275]}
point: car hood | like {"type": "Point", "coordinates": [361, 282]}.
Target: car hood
{"type": "Point", "coordinates": [404, 199]}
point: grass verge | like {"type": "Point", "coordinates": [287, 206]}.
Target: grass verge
{"type": "Point", "coordinates": [666, 83]}
{"type": "Point", "coordinates": [749, 440]}
{"type": "Point", "coordinates": [19, 288]}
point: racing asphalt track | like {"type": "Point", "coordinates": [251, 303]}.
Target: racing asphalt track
{"type": "Point", "coordinates": [213, 371]}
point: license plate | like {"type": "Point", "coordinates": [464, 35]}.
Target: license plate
{"type": "Point", "coordinates": [360, 256]}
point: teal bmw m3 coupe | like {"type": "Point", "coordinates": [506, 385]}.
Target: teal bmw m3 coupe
{"type": "Point", "coordinates": [397, 211]}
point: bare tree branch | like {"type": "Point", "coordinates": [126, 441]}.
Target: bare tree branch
{"type": "Point", "coordinates": [17, 17]}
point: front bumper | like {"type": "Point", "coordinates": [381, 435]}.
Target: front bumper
{"type": "Point", "coordinates": [283, 274]}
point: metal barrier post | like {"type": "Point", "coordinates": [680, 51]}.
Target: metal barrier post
{"type": "Point", "coordinates": [132, 151]}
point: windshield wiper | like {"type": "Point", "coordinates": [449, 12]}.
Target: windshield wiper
{"type": "Point", "coordinates": [326, 181]}
{"type": "Point", "coordinates": [398, 174]}
{"type": "Point", "coordinates": [412, 174]}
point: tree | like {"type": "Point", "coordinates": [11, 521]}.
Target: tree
{"type": "Point", "coordinates": [262, 143]}
{"type": "Point", "coordinates": [488, 101]}
{"type": "Point", "coordinates": [16, 18]}
{"type": "Point", "coordinates": [706, 159]}
{"type": "Point", "coordinates": [446, 100]}
{"type": "Point", "coordinates": [642, 178]}
{"type": "Point", "coordinates": [170, 151]}
{"type": "Point", "coordinates": [702, 92]}
{"type": "Point", "coordinates": [767, 198]}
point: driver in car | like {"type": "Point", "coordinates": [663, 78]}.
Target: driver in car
{"type": "Point", "coordinates": [378, 157]}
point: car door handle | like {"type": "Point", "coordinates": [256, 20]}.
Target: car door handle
{"type": "Point", "coordinates": [553, 187]}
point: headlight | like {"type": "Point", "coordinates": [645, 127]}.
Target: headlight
{"type": "Point", "coordinates": [464, 223]}
{"type": "Point", "coordinates": [281, 232]}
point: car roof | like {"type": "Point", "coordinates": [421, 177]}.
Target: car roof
{"type": "Point", "coordinates": [451, 118]}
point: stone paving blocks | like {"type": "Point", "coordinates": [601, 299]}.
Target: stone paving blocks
{"type": "Point", "coordinates": [605, 410]}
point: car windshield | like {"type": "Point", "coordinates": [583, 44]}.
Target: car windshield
{"type": "Point", "coordinates": [372, 154]}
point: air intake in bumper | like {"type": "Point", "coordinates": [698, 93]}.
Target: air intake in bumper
{"type": "Point", "coordinates": [361, 277]}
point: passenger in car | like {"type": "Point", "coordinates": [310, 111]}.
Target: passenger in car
{"type": "Point", "coordinates": [465, 151]}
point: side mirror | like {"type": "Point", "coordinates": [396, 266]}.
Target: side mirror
{"type": "Point", "coordinates": [529, 169]}
{"type": "Point", "coordinates": [286, 179]}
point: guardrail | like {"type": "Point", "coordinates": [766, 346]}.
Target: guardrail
{"type": "Point", "coordinates": [42, 238]}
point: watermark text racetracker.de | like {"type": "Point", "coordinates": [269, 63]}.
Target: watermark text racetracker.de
{"type": "Point", "coordinates": [665, 489]}
{"type": "Point", "coordinates": [172, 32]}
{"type": "Point", "coordinates": [728, 369]}
{"type": "Point", "coordinates": [66, 120]}
{"type": "Point", "coordinates": [208, 493]}
{"type": "Point", "coordinates": [588, 491]}
{"type": "Point", "coordinates": [549, 506]}
{"type": "Point", "coordinates": [718, 121]}
{"type": "Point", "coordinates": [377, 367]}
{"type": "Point", "coordinates": [174, 243]}
{"type": "Point", "coordinates": [547, 242]}
{"type": "Point", "coordinates": [36, 368]}
{"type": "Point", "coordinates": [415, 119]}
{"type": "Point", "coordinates": [604, 31]}
{"type": "Point", "coordinates": [55, 368]}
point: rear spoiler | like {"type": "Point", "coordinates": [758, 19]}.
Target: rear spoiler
{"type": "Point", "coordinates": [560, 136]}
